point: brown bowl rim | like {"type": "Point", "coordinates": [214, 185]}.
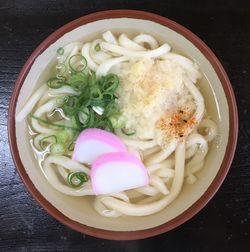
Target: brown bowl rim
{"type": "Point", "coordinates": [230, 150]}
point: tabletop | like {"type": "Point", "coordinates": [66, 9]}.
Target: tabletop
{"type": "Point", "coordinates": [224, 224]}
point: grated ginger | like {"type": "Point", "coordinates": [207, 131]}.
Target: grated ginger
{"type": "Point", "coordinates": [148, 89]}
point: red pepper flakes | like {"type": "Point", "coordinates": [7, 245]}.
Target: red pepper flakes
{"type": "Point", "coordinates": [176, 124]}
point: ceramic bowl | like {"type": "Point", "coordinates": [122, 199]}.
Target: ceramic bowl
{"type": "Point", "coordinates": [78, 213]}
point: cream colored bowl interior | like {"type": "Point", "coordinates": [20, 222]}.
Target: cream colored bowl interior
{"type": "Point", "coordinates": [80, 209]}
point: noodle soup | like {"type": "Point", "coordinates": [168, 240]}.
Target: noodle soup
{"type": "Point", "coordinates": [92, 214]}
{"type": "Point", "coordinates": [143, 93]}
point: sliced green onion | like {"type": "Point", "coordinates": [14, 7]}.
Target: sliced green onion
{"type": "Point", "coordinates": [116, 121]}
{"type": "Point", "coordinates": [94, 106]}
{"type": "Point", "coordinates": [68, 110]}
{"type": "Point", "coordinates": [71, 146]}
{"type": "Point", "coordinates": [61, 69]}
{"type": "Point", "coordinates": [99, 110]}
{"type": "Point", "coordinates": [111, 109]}
{"type": "Point", "coordinates": [109, 126]}
{"type": "Point", "coordinates": [52, 124]}
{"type": "Point", "coordinates": [108, 95]}
{"type": "Point", "coordinates": [60, 101]}
{"type": "Point", "coordinates": [72, 101]}
{"type": "Point", "coordinates": [70, 107]}
{"type": "Point", "coordinates": [54, 82]}
{"type": "Point", "coordinates": [63, 136]}
{"type": "Point", "coordinates": [84, 99]}
{"type": "Point", "coordinates": [98, 102]}
{"type": "Point", "coordinates": [96, 93]}
{"type": "Point", "coordinates": [78, 81]}
{"type": "Point", "coordinates": [66, 98]}
{"type": "Point", "coordinates": [57, 149]}
{"type": "Point", "coordinates": [77, 63]}
{"type": "Point", "coordinates": [127, 132]}
{"type": "Point", "coordinates": [92, 79]}
{"type": "Point", "coordinates": [60, 51]}
{"type": "Point", "coordinates": [44, 142]}
{"type": "Point", "coordinates": [83, 117]}
{"type": "Point", "coordinates": [77, 179]}
{"type": "Point", "coordinates": [91, 120]}
{"type": "Point", "coordinates": [110, 84]}
{"type": "Point", "coordinates": [98, 47]}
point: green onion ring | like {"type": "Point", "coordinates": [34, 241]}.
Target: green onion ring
{"type": "Point", "coordinates": [74, 61]}
{"type": "Point", "coordinates": [54, 82]}
{"type": "Point", "coordinates": [77, 179]}
{"type": "Point", "coordinates": [60, 51]}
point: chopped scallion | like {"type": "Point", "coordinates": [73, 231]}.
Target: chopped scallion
{"type": "Point", "coordinates": [61, 71]}
{"type": "Point", "coordinates": [54, 82]}
{"type": "Point", "coordinates": [128, 133]}
{"type": "Point", "coordinates": [94, 105]}
{"type": "Point", "coordinates": [77, 179]}
{"type": "Point", "coordinates": [57, 149]}
{"type": "Point", "coordinates": [77, 63]}
{"type": "Point", "coordinates": [44, 142]}
{"type": "Point", "coordinates": [56, 125]}
{"type": "Point", "coordinates": [83, 117]}
{"type": "Point", "coordinates": [98, 47]}
{"type": "Point", "coordinates": [60, 51]}
{"type": "Point", "coordinates": [99, 110]}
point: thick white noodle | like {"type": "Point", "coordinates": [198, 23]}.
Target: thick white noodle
{"type": "Point", "coordinates": [102, 209]}
{"type": "Point", "coordinates": [104, 68]}
{"type": "Point", "coordinates": [109, 37]}
{"type": "Point", "coordinates": [45, 98]}
{"type": "Point", "coordinates": [98, 56]}
{"type": "Point", "coordinates": [165, 173]}
{"type": "Point", "coordinates": [85, 52]}
{"type": "Point", "coordinates": [196, 167]}
{"type": "Point", "coordinates": [149, 199]}
{"type": "Point", "coordinates": [163, 154]}
{"type": "Point", "coordinates": [151, 208]}
{"type": "Point", "coordinates": [134, 151]}
{"type": "Point", "coordinates": [69, 50]}
{"type": "Point", "coordinates": [166, 180]}
{"type": "Point", "coordinates": [51, 174]}
{"type": "Point", "coordinates": [146, 39]}
{"type": "Point", "coordinates": [63, 172]}
{"type": "Point", "coordinates": [157, 183]}
{"type": "Point", "coordinates": [67, 163]}
{"type": "Point", "coordinates": [150, 151]}
{"type": "Point", "coordinates": [190, 151]}
{"type": "Point", "coordinates": [197, 158]}
{"type": "Point", "coordinates": [75, 51]}
{"type": "Point", "coordinates": [200, 107]}
{"type": "Point", "coordinates": [134, 195]}
{"type": "Point", "coordinates": [190, 67]}
{"type": "Point", "coordinates": [210, 127]}
{"type": "Point", "coordinates": [129, 44]}
{"type": "Point", "coordinates": [121, 195]}
{"type": "Point", "coordinates": [140, 144]}
{"type": "Point", "coordinates": [29, 105]}
{"type": "Point", "coordinates": [147, 190]}
{"type": "Point", "coordinates": [64, 90]}
{"type": "Point", "coordinates": [168, 164]}
{"type": "Point", "coordinates": [136, 54]}
{"type": "Point", "coordinates": [196, 163]}
{"type": "Point", "coordinates": [196, 138]}
{"type": "Point", "coordinates": [45, 108]}
{"type": "Point", "coordinates": [37, 139]}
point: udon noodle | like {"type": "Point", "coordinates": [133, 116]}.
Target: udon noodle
{"type": "Point", "coordinates": [171, 135]}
